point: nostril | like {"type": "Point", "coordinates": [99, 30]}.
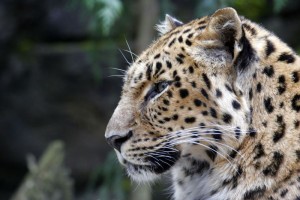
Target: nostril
{"type": "Point", "coordinates": [116, 141]}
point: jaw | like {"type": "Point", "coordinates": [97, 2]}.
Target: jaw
{"type": "Point", "coordinates": [158, 162]}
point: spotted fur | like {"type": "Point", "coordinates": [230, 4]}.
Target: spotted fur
{"type": "Point", "coordinates": [215, 102]}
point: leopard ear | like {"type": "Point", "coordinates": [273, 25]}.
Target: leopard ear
{"type": "Point", "coordinates": [225, 27]}
{"type": "Point", "coordinates": [219, 43]}
{"type": "Point", "coordinates": [168, 24]}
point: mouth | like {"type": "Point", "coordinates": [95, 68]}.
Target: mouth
{"type": "Point", "coordinates": [157, 162]}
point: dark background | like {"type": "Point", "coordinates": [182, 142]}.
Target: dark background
{"type": "Point", "coordinates": [56, 78]}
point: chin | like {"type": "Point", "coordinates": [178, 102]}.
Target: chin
{"type": "Point", "coordinates": [153, 168]}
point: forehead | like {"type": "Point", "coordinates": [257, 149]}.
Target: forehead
{"type": "Point", "coordinates": [171, 45]}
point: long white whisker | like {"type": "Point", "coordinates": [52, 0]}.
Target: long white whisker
{"type": "Point", "coordinates": [198, 143]}
{"type": "Point", "coordinates": [124, 57]}
{"type": "Point", "coordinates": [122, 70]}
{"type": "Point", "coordinates": [129, 50]}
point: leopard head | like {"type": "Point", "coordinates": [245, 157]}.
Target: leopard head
{"type": "Point", "coordinates": [182, 96]}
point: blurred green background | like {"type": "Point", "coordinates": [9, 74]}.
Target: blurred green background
{"type": "Point", "coordinates": [57, 80]}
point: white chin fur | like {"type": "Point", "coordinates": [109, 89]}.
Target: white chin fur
{"type": "Point", "coordinates": [141, 176]}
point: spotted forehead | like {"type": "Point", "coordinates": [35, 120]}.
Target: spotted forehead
{"type": "Point", "coordinates": [155, 61]}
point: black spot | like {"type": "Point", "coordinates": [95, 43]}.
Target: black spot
{"type": "Point", "coordinates": [166, 102]}
{"type": "Point", "coordinates": [190, 120]}
{"type": "Point", "coordinates": [218, 93]}
{"type": "Point", "coordinates": [297, 124]}
{"type": "Point", "coordinates": [167, 119]}
{"type": "Point", "coordinates": [212, 152]}
{"type": "Point", "coordinates": [282, 85]}
{"type": "Point", "coordinates": [206, 80]}
{"type": "Point", "coordinates": [236, 105]}
{"type": "Point", "coordinates": [180, 39]}
{"type": "Point", "coordinates": [255, 193]}
{"type": "Point", "coordinates": [201, 27]}
{"type": "Point", "coordinates": [197, 102]}
{"type": "Point", "coordinates": [269, 48]}
{"type": "Point", "coordinates": [281, 104]}
{"type": "Point", "coordinates": [183, 93]}
{"type": "Point", "coordinates": [177, 78]}
{"type": "Point", "coordinates": [250, 94]}
{"type": "Point", "coordinates": [204, 93]}
{"type": "Point", "coordinates": [296, 102]}
{"type": "Point", "coordinates": [179, 60]}
{"type": "Point", "coordinates": [272, 169]}
{"type": "Point", "coordinates": [197, 167]}
{"type": "Point", "coordinates": [297, 152]}
{"type": "Point", "coordinates": [268, 105]}
{"type": "Point", "coordinates": [237, 132]}
{"type": "Point", "coordinates": [279, 133]}
{"type": "Point", "coordinates": [227, 118]}
{"type": "Point", "coordinates": [286, 57]}
{"type": "Point", "coordinates": [284, 192]}
{"type": "Point", "coordinates": [265, 124]}
{"type": "Point", "coordinates": [228, 88]}
{"type": "Point", "coordinates": [269, 71]}
{"type": "Point", "coordinates": [258, 87]}
{"type": "Point", "coordinates": [187, 30]}
{"type": "Point", "coordinates": [295, 77]}
{"type": "Point", "coordinates": [188, 42]}
{"type": "Point", "coordinates": [149, 71]}
{"type": "Point", "coordinates": [169, 64]}
{"type": "Point", "coordinates": [193, 84]}
{"type": "Point", "coordinates": [190, 35]}
{"type": "Point", "coordinates": [191, 69]}
{"type": "Point", "coordinates": [259, 151]}
{"type": "Point", "coordinates": [181, 55]}
{"type": "Point", "coordinates": [156, 56]}
{"type": "Point", "coordinates": [205, 113]}
{"type": "Point", "coordinates": [175, 117]}
{"type": "Point", "coordinates": [234, 179]}
{"type": "Point", "coordinates": [177, 84]}
{"type": "Point", "coordinates": [217, 136]}
{"type": "Point", "coordinates": [250, 29]}
{"type": "Point", "coordinates": [213, 113]}
{"type": "Point", "coordinates": [172, 42]}
{"type": "Point", "coordinates": [233, 154]}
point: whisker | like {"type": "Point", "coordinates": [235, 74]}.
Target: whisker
{"type": "Point", "coordinates": [160, 155]}
{"type": "Point", "coordinates": [198, 143]}
{"type": "Point", "coordinates": [120, 76]}
{"type": "Point", "coordinates": [122, 70]}
{"type": "Point", "coordinates": [129, 50]}
{"type": "Point", "coordinates": [124, 57]}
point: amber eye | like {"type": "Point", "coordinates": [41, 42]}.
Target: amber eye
{"type": "Point", "coordinates": [156, 89]}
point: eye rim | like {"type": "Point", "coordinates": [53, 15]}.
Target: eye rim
{"type": "Point", "coordinates": [157, 89]}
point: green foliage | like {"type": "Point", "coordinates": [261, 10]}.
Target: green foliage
{"type": "Point", "coordinates": [115, 185]}
{"type": "Point", "coordinates": [103, 13]}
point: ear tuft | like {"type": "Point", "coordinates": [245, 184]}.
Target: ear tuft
{"type": "Point", "coordinates": [168, 24]}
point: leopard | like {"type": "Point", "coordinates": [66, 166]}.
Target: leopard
{"type": "Point", "coordinates": [213, 105]}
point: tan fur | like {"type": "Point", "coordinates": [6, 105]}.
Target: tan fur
{"type": "Point", "coordinates": [256, 155]}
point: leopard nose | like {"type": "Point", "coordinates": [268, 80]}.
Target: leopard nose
{"type": "Point", "coordinates": [116, 141]}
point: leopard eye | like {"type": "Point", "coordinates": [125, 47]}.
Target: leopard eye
{"type": "Point", "coordinates": [161, 86]}
{"type": "Point", "coordinates": [157, 89]}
